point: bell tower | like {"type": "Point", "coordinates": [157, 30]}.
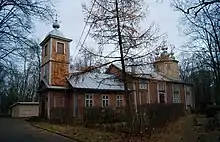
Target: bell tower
{"type": "Point", "coordinates": [55, 57]}
{"type": "Point", "coordinates": [166, 64]}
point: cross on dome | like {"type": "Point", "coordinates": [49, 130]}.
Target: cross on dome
{"type": "Point", "coordinates": [56, 25]}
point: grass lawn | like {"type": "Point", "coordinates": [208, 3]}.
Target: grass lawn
{"type": "Point", "coordinates": [78, 132]}
{"type": "Point", "coordinates": [179, 131]}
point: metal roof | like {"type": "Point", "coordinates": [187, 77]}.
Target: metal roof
{"type": "Point", "coordinates": [98, 81]}
{"type": "Point", "coordinates": [148, 73]}
{"type": "Point", "coordinates": [24, 103]}
{"type": "Point", "coordinates": [56, 32]}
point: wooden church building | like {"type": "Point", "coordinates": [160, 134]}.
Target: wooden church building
{"type": "Point", "coordinates": [74, 90]}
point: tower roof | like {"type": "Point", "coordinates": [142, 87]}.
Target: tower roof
{"type": "Point", "coordinates": [55, 33]}
{"type": "Point", "coordinates": [165, 56]}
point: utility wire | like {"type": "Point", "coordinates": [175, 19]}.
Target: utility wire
{"type": "Point", "coordinates": [82, 33]}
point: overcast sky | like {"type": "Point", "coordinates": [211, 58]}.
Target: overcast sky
{"type": "Point", "coordinates": [72, 21]}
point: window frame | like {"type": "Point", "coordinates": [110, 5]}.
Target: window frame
{"type": "Point", "coordinates": [89, 99]}
{"type": "Point", "coordinates": [161, 91]}
{"type": "Point", "coordinates": [163, 84]}
{"type": "Point", "coordinates": [176, 96]}
{"type": "Point", "coordinates": [63, 47]}
{"type": "Point", "coordinates": [119, 100]}
{"type": "Point", "coordinates": [106, 99]}
{"type": "Point", "coordinates": [164, 97]}
{"type": "Point", "coordinates": [143, 84]}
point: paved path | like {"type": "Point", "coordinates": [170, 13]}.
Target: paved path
{"type": "Point", "coordinates": [15, 130]}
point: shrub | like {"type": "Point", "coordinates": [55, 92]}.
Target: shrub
{"type": "Point", "coordinates": [148, 116]}
{"type": "Point", "coordinates": [104, 115]}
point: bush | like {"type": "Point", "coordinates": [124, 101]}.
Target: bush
{"type": "Point", "coordinates": [148, 116]}
{"type": "Point", "coordinates": [162, 113]}
{"type": "Point", "coordinates": [104, 115]}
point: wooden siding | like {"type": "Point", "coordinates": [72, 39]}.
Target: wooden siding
{"type": "Point", "coordinates": [60, 57]}
{"type": "Point", "coordinates": [169, 92]}
{"type": "Point", "coordinates": [59, 73]}
{"type": "Point", "coordinates": [45, 59]}
{"type": "Point", "coordinates": [97, 101]}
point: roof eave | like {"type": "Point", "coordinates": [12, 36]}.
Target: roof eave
{"type": "Point", "coordinates": [56, 37]}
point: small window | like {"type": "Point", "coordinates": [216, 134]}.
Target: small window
{"type": "Point", "coordinates": [45, 50]}
{"type": "Point", "coordinates": [119, 100]}
{"type": "Point", "coordinates": [60, 48]}
{"type": "Point", "coordinates": [143, 84]}
{"type": "Point", "coordinates": [88, 100]}
{"type": "Point", "coordinates": [105, 101]}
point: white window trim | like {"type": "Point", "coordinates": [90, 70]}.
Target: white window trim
{"type": "Point", "coordinates": [63, 46]}
{"type": "Point", "coordinates": [164, 86]}
{"type": "Point", "coordinates": [118, 99]}
{"type": "Point", "coordinates": [179, 97]}
{"type": "Point", "coordinates": [158, 92]}
{"type": "Point", "coordinates": [105, 100]}
{"type": "Point", "coordinates": [89, 99]}
{"type": "Point", "coordinates": [141, 83]}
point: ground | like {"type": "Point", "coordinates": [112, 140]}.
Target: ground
{"type": "Point", "coordinates": [183, 130]}
{"type": "Point", "coordinates": [17, 130]}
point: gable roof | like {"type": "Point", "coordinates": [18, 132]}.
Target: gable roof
{"type": "Point", "coordinates": [96, 81]}
{"type": "Point", "coordinates": [147, 73]}
{"type": "Point", "coordinates": [24, 103]}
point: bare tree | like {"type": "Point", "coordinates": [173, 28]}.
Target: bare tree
{"type": "Point", "coordinates": [202, 27]}
{"type": "Point", "coordinates": [115, 26]}
{"type": "Point", "coordinates": [16, 22]}
{"type": "Point", "coordinates": [188, 6]}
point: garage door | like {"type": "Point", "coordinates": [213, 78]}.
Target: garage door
{"type": "Point", "coordinates": [27, 111]}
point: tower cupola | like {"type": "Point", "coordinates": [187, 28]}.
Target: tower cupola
{"type": "Point", "coordinates": [55, 57]}
{"type": "Point", "coordinates": [166, 63]}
